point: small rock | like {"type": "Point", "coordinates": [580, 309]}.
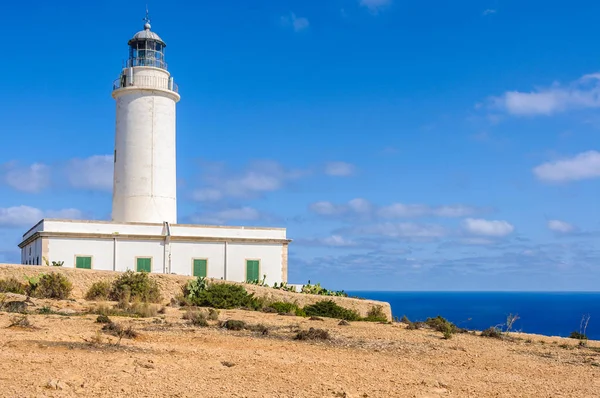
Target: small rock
{"type": "Point", "coordinates": [56, 385]}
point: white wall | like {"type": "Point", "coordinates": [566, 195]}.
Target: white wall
{"type": "Point", "coordinates": [182, 255]}
{"type": "Point", "coordinates": [268, 254]}
{"type": "Point", "coordinates": [32, 253]}
{"type": "Point", "coordinates": [104, 227]}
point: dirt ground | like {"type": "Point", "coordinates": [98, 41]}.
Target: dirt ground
{"type": "Point", "coordinates": [67, 355]}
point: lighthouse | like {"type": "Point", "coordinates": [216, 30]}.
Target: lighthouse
{"type": "Point", "coordinates": [143, 234]}
{"type": "Point", "coordinates": [145, 182]}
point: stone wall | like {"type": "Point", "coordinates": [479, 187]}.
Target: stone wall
{"type": "Point", "coordinates": [171, 285]}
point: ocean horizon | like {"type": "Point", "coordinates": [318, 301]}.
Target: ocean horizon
{"type": "Point", "coordinates": [544, 313]}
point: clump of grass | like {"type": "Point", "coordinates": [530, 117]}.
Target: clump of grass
{"type": "Point", "coordinates": [259, 328]}
{"type": "Point", "coordinates": [282, 307]}
{"type": "Point", "coordinates": [405, 320]}
{"type": "Point", "coordinates": [492, 332]}
{"type": "Point", "coordinates": [376, 314]}
{"type": "Point", "coordinates": [329, 309]}
{"type": "Point", "coordinates": [312, 334]}
{"type": "Point", "coordinates": [344, 323]}
{"type": "Point", "coordinates": [415, 325]}
{"type": "Point", "coordinates": [12, 285]}
{"type": "Point", "coordinates": [138, 285]}
{"type": "Point", "coordinates": [196, 318]}
{"type": "Point", "coordinates": [117, 330]}
{"type": "Point", "coordinates": [232, 324]}
{"type": "Point", "coordinates": [20, 322]}
{"type": "Point", "coordinates": [15, 306]}
{"type": "Point", "coordinates": [134, 310]}
{"type": "Point", "coordinates": [578, 336]}
{"type": "Point", "coordinates": [103, 319]}
{"type": "Point", "coordinates": [51, 286]}
{"type": "Point", "coordinates": [99, 291]}
{"type": "Point", "coordinates": [315, 318]}
{"type": "Point", "coordinates": [213, 314]}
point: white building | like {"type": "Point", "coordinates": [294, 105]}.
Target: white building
{"type": "Point", "coordinates": [143, 234]}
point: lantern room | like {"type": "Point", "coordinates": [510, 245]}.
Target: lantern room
{"type": "Point", "coordinates": [146, 48]}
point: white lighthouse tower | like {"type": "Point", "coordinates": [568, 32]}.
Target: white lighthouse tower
{"type": "Point", "coordinates": [145, 188]}
{"type": "Point", "coordinates": [143, 234]}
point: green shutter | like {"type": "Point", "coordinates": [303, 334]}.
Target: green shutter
{"type": "Point", "coordinates": [200, 268]}
{"type": "Point", "coordinates": [83, 262]}
{"type": "Point", "coordinates": [144, 265]}
{"type": "Point", "coordinates": [252, 270]}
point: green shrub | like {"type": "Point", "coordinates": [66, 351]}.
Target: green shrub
{"type": "Point", "coordinates": [103, 319]}
{"type": "Point", "coordinates": [12, 285]}
{"type": "Point", "coordinates": [283, 307]}
{"type": "Point", "coordinates": [138, 284]}
{"type": "Point", "coordinates": [98, 291]}
{"type": "Point", "coordinates": [232, 324]}
{"type": "Point", "coordinates": [376, 314]}
{"type": "Point", "coordinates": [119, 331]}
{"type": "Point", "coordinates": [213, 314]}
{"type": "Point", "coordinates": [578, 336]}
{"type": "Point", "coordinates": [196, 318]}
{"type": "Point", "coordinates": [301, 312]}
{"type": "Point", "coordinates": [330, 309]}
{"type": "Point", "coordinates": [312, 334]}
{"type": "Point", "coordinates": [52, 286]}
{"type": "Point", "coordinates": [492, 332]}
{"type": "Point", "coordinates": [443, 326]}
{"type": "Point", "coordinates": [225, 296]}
{"type": "Point", "coordinates": [259, 328]}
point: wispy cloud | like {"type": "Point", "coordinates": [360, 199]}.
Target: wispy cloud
{"type": "Point", "coordinates": [360, 207]}
{"type": "Point", "coordinates": [329, 241]}
{"type": "Point", "coordinates": [583, 166]}
{"type": "Point", "coordinates": [339, 169]}
{"type": "Point", "coordinates": [26, 216]}
{"type": "Point", "coordinates": [227, 215]}
{"type": "Point", "coordinates": [375, 6]}
{"type": "Point", "coordinates": [560, 226]}
{"type": "Point", "coordinates": [256, 179]}
{"type": "Point", "coordinates": [489, 11]}
{"type": "Point", "coordinates": [492, 228]}
{"type": "Point", "coordinates": [582, 93]}
{"type": "Point", "coordinates": [94, 172]}
{"type": "Point", "coordinates": [297, 23]}
{"type": "Point", "coordinates": [32, 179]}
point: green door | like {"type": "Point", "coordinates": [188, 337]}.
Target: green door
{"type": "Point", "coordinates": [144, 265]}
{"type": "Point", "coordinates": [83, 262]}
{"type": "Point", "coordinates": [200, 268]}
{"type": "Point", "coordinates": [252, 270]}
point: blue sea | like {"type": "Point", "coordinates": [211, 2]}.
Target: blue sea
{"type": "Point", "coordinates": [551, 314]}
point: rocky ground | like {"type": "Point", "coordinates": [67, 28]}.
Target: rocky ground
{"type": "Point", "coordinates": [67, 354]}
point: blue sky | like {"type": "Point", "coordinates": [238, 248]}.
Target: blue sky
{"type": "Point", "coordinates": [405, 145]}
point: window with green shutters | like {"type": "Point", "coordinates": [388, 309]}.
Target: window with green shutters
{"type": "Point", "coordinates": [83, 262]}
{"type": "Point", "coordinates": [200, 267]}
{"type": "Point", "coordinates": [252, 270]}
{"type": "Point", "coordinates": [144, 264]}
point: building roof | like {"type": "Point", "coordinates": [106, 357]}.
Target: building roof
{"type": "Point", "coordinates": [146, 34]}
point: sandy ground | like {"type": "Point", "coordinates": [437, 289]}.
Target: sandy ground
{"type": "Point", "coordinates": [62, 357]}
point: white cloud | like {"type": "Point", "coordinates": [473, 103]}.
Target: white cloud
{"type": "Point", "coordinates": [560, 226]}
{"type": "Point", "coordinates": [297, 23]}
{"type": "Point", "coordinates": [488, 227]}
{"type": "Point", "coordinates": [489, 11]}
{"type": "Point", "coordinates": [330, 241]}
{"type": "Point", "coordinates": [339, 169]}
{"type": "Point", "coordinates": [362, 207]}
{"type": "Point", "coordinates": [95, 172]}
{"type": "Point", "coordinates": [402, 230]}
{"type": "Point", "coordinates": [26, 216]}
{"type": "Point", "coordinates": [583, 93]}
{"type": "Point", "coordinates": [258, 178]}
{"type": "Point", "coordinates": [375, 5]}
{"type": "Point", "coordinates": [583, 166]}
{"type": "Point", "coordinates": [224, 216]}
{"type": "Point", "coordinates": [32, 179]}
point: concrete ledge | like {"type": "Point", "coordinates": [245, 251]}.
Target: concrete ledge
{"type": "Point", "coordinates": [170, 286]}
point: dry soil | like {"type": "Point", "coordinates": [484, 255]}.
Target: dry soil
{"type": "Point", "coordinates": [67, 356]}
